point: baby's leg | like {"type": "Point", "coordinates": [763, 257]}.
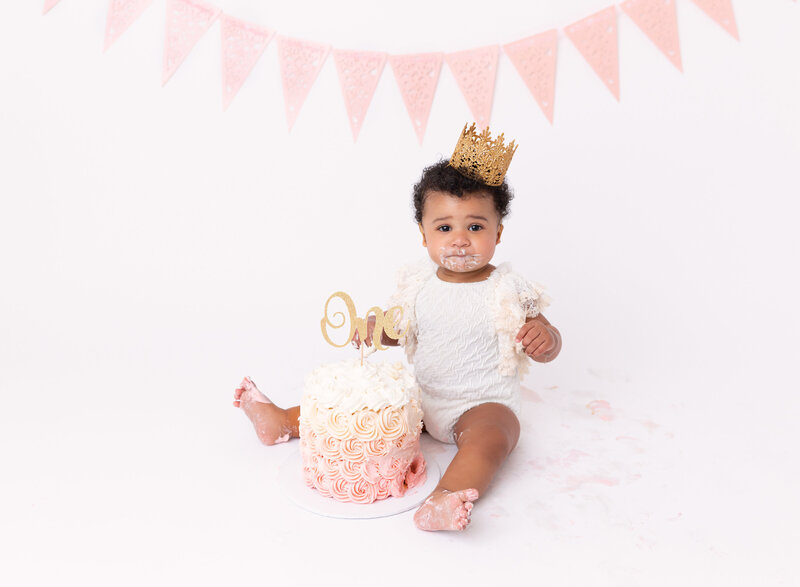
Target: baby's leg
{"type": "Point", "coordinates": [485, 436]}
{"type": "Point", "coordinates": [272, 424]}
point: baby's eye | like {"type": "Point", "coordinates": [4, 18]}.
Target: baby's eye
{"type": "Point", "coordinates": [444, 228]}
{"type": "Point", "coordinates": [475, 227]}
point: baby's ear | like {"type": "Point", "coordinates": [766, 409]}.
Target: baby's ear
{"type": "Point", "coordinates": [424, 244]}
{"type": "Point", "coordinates": [499, 232]}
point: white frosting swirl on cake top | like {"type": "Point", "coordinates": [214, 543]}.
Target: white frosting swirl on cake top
{"type": "Point", "coordinates": [349, 386]}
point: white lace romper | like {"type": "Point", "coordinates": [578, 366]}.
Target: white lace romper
{"type": "Point", "coordinates": [456, 362]}
{"type": "Point", "coordinates": [460, 337]}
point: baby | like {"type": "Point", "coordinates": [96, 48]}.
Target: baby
{"type": "Point", "coordinates": [472, 329]}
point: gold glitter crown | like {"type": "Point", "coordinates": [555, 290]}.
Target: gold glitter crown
{"type": "Point", "coordinates": [480, 157]}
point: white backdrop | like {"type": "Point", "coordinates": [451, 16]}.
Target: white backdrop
{"type": "Point", "coordinates": [154, 250]}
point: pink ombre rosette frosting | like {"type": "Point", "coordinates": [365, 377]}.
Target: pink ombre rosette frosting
{"type": "Point", "coordinates": [359, 431]}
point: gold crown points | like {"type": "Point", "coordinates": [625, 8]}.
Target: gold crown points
{"type": "Point", "coordinates": [480, 157]}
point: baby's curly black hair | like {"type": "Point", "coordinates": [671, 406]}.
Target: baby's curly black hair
{"type": "Point", "coordinates": [444, 178]}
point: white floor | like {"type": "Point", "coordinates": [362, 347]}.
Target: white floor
{"type": "Point", "coordinates": [612, 484]}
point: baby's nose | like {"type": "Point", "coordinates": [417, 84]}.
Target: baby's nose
{"type": "Point", "coordinates": [460, 239]}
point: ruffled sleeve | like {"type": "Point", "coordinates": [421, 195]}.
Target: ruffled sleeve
{"type": "Point", "coordinates": [409, 282]}
{"type": "Point", "coordinates": [531, 295]}
{"type": "Point", "coordinates": [516, 299]}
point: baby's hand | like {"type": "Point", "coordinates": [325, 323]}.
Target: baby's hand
{"type": "Point", "coordinates": [368, 339]}
{"type": "Point", "coordinates": [537, 338]}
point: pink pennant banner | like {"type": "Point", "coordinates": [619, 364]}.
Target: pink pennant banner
{"type": "Point", "coordinates": [359, 72]}
{"type": "Point", "coordinates": [242, 45]}
{"type": "Point", "coordinates": [535, 60]}
{"type": "Point", "coordinates": [596, 38]}
{"type": "Point", "coordinates": [121, 14]}
{"type": "Point", "coordinates": [417, 76]}
{"type": "Point", "coordinates": [475, 72]}
{"type": "Point", "coordinates": [48, 4]}
{"type": "Point", "coordinates": [722, 12]}
{"type": "Point", "coordinates": [300, 63]}
{"type": "Point", "coordinates": [658, 19]}
{"type": "Point", "coordinates": [187, 21]}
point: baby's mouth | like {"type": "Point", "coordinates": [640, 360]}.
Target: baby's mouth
{"type": "Point", "coordinates": [458, 260]}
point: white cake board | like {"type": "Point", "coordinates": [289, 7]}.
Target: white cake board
{"type": "Point", "coordinates": [290, 479]}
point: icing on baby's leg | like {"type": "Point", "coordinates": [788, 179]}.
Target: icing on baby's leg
{"type": "Point", "coordinates": [272, 424]}
{"type": "Point", "coordinates": [485, 436]}
{"type": "Point", "coordinates": [446, 510]}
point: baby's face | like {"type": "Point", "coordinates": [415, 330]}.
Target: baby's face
{"type": "Point", "coordinates": [460, 234]}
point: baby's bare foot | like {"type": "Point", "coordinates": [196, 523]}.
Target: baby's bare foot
{"type": "Point", "coordinates": [446, 510]}
{"type": "Point", "coordinates": [247, 391]}
{"type": "Point", "coordinates": [270, 421]}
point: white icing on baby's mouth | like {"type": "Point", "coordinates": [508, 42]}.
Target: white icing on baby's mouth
{"type": "Point", "coordinates": [458, 259]}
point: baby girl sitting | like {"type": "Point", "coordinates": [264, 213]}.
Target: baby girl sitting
{"type": "Point", "coordinates": [472, 329]}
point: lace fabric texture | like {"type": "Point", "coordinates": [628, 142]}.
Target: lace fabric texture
{"type": "Point", "coordinates": [722, 13]}
{"type": "Point", "coordinates": [242, 45]}
{"type": "Point", "coordinates": [121, 14]}
{"type": "Point", "coordinates": [475, 72]}
{"type": "Point", "coordinates": [658, 19]}
{"type": "Point", "coordinates": [459, 353]}
{"type": "Point", "coordinates": [359, 72]}
{"type": "Point", "coordinates": [596, 38]}
{"type": "Point", "coordinates": [187, 21]}
{"type": "Point", "coordinates": [300, 63]}
{"type": "Point", "coordinates": [535, 60]}
{"type": "Point", "coordinates": [417, 76]}
{"type": "Point", "coordinates": [512, 300]}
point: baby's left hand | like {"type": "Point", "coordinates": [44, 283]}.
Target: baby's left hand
{"type": "Point", "coordinates": [537, 338]}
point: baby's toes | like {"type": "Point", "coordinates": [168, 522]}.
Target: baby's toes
{"type": "Point", "coordinates": [462, 515]}
{"type": "Point", "coordinates": [468, 494]}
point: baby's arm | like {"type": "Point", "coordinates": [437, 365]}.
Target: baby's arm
{"type": "Point", "coordinates": [540, 339]}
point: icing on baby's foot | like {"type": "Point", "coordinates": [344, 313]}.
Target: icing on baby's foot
{"type": "Point", "coordinates": [247, 391]}
{"type": "Point", "coordinates": [269, 421]}
{"type": "Point", "coordinates": [446, 510]}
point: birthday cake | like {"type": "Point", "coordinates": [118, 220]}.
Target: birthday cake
{"type": "Point", "coordinates": [359, 431]}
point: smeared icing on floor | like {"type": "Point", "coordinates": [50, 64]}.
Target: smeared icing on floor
{"type": "Point", "coordinates": [601, 409]}
{"type": "Point", "coordinates": [583, 460]}
{"type": "Point", "coordinates": [529, 395]}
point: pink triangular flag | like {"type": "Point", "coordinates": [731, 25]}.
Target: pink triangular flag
{"type": "Point", "coordinates": [242, 46]}
{"type": "Point", "coordinates": [535, 60]}
{"type": "Point", "coordinates": [300, 63]}
{"type": "Point", "coordinates": [48, 4]}
{"type": "Point", "coordinates": [187, 21]}
{"type": "Point", "coordinates": [417, 76]}
{"type": "Point", "coordinates": [121, 14]}
{"type": "Point", "coordinates": [475, 71]}
{"type": "Point", "coordinates": [722, 12]}
{"type": "Point", "coordinates": [658, 19]}
{"type": "Point", "coordinates": [359, 72]}
{"type": "Point", "coordinates": [596, 38]}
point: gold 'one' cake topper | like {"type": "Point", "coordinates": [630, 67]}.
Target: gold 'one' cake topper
{"type": "Point", "coordinates": [480, 157]}
{"type": "Point", "coordinates": [384, 322]}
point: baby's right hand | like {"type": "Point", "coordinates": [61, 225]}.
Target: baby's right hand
{"type": "Point", "coordinates": [368, 339]}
